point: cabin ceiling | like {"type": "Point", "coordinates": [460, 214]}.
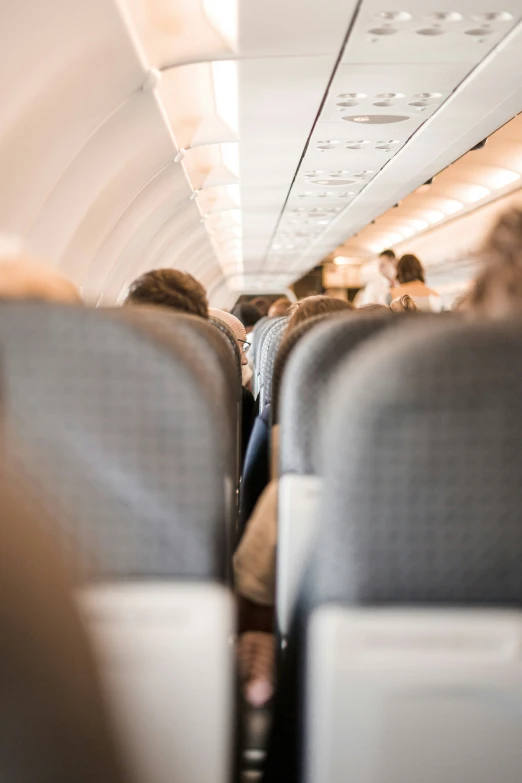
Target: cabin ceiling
{"type": "Point", "coordinates": [244, 141]}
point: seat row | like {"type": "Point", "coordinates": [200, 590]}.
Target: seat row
{"type": "Point", "coordinates": [125, 424]}
{"type": "Point", "coordinates": [398, 551]}
{"type": "Point", "coordinates": [399, 536]}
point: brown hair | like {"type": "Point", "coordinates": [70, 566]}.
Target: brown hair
{"type": "Point", "coordinates": [410, 269]}
{"type": "Point", "coordinates": [262, 304]}
{"type": "Point", "coordinates": [280, 307]}
{"type": "Point", "coordinates": [369, 308]}
{"type": "Point", "coordinates": [498, 288]}
{"type": "Point", "coordinates": [315, 305]}
{"type": "Point", "coordinates": [404, 304]}
{"type": "Point", "coordinates": [170, 288]}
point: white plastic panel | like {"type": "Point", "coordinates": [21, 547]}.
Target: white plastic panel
{"type": "Point", "coordinates": [66, 64]}
{"type": "Point", "coordinates": [409, 109]}
{"type": "Point", "coordinates": [407, 695]}
{"type": "Point", "coordinates": [125, 153]}
{"type": "Point", "coordinates": [278, 99]}
{"type": "Point", "coordinates": [415, 32]}
{"type": "Point", "coordinates": [298, 506]}
{"type": "Point", "coordinates": [167, 661]}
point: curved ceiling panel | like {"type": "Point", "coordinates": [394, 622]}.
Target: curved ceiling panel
{"type": "Point", "coordinates": [65, 66]}
{"type": "Point", "coordinates": [117, 161]}
{"type": "Point", "coordinates": [143, 252]}
{"type": "Point", "coordinates": [83, 134]}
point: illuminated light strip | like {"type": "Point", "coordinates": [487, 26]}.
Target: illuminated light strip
{"type": "Point", "coordinates": [226, 93]}
{"type": "Point", "coordinates": [223, 16]}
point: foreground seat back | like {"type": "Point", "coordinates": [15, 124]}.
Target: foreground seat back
{"type": "Point", "coordinates": [414, 669]}
{"type": "Point", "coordinates": [119, 420]}
{"type": "Point", "coordinates": [286, 348]}
{"type": "Point", "coordinates": [309, 372]}
{"type": "Point", "coordinates": [271, 342]}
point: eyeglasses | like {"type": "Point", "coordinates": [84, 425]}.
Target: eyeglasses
{"type": "Point", "coordinates": [245, 345]}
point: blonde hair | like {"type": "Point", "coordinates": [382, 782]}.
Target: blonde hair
{"type": "Point", "coordinates": [404, 304]}
{"type": "Point", "coordinates": [23, 278]}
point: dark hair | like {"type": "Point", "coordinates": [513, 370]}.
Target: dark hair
{"type": "Point", "coordinates": [315, 305]}
{"type": "Point", "coordinates": [389, 254]}
{"type": "Point", "coordinates": [410, 269]}
{"type": "Point", "coordinates": [262, 304]}
{"type": "Point", "coordinates": [170, 288]}
{"type": "Point", "coordinates": [247, 314]}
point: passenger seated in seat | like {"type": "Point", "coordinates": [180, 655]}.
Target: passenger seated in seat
{"type": "Point", "coordinates": [170, 288]}
{"type": "Point", "coordinates": [247, 408]}
{"type": "Point", "coordinates": [254, 560]}
{"type": "Point", "coordinates": [280, 307]}
{"type": "Point", "coordinates": [22, 278]}
{"type": "Point", "coordinates": [315, 305]}
{"type": "Point", "coordinates": [404, 304]}
{"type": "Point", "coordinates": [248, 315]}
{"type": "Point", "coordinates": [497, 291]}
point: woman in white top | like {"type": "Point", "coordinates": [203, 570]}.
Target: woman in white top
{"type": "Point", "coordinates": [410, 277]}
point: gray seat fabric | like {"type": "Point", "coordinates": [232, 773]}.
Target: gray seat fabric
{"type": "Point", "coordinates": [269, 347]}
{"type": "Point", "coordinates": [286, 348]}
{"type": "Point", "coordinates": [308, 373]}
{"type": "Point", "coordinates": [259, 330]}
{"type": "Point", "coordinates": [227, 332]}
{"type": "Point", "coordinates": [256, 333]}
{"type": "Point", "coordinates": [423, 487]}
{"type": "Point", "coordinates": [118, 425]}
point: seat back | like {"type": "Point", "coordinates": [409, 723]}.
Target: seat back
{"type": "Point", "coordinates": [262, 328]}
{"type": "Point", "coordinates": [114, 420]}
{"type": "Point", "coordinates": [286, 348]}
{"type": "Point", "coordinates": [229, 335]}
{"type": "Point", "coordinates": [271, 341]}
{"type": "Point", "coordinates": [414, 669]}
{"type": "Point", "coordinates": [258, 329]}
{"type": "Point", "coordinates": [309, 371]}
{"type": "Point", "coordinates": [121, 420]}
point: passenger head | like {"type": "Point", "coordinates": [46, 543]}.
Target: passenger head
{"type": "Point", "coordinates": [248, 315]}
{"type": "Point", "coordinates": [53, 719]}
{"type": "Point", "coordinates": [404, 304]}
{"type": "Point", "coordinates": [373, 308]}
{"type": "Point", "coordinates": [22, 278]}
{"type": "Point", "coordinates": [170, 288]}
{"type": "Point", "coordinates": [315, 305]}
{"type": "Point", "coordinates": [262, 305]}
{"type": "Point", "coordinates": [236, 327]}
{"type": "Point", "coordinates": [410, 270]}
{"type": "Point", "coordinates": [498, 288]}
{"type": "Point", "coordinates": [280, 307]}
{"type": "Point", "coordinates": [388, 265]}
